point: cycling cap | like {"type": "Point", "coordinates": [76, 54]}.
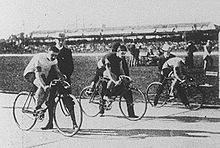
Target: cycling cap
{"type": "Point", "coordinates": [122, 48]}
{"type": "Point", "coordinates": [166, 47]}
{"type": "Point", "coordinates": [115, 46]}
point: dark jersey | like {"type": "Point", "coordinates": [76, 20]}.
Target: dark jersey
{"type": "Point", "coordinates": [114, 62]}
{"type": "Point", "coordinates": [65, 61]}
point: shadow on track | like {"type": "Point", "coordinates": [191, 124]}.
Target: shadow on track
{"type": "Point", "coordinates": [141, 133]}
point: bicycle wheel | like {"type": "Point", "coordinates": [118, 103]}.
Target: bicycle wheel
{"type": "Point", "coordinates": [156, 90]}
{"type": "Point", "coordinates": [23, 111]}
{"type": "Point", "coordinates": [63, 119]}
{"type": "Point", "coordinates": [195, 97]}
{"type": "Point", "coordinates": [90, 102]}
{"type": "Point", "coordinates": [139, 104]}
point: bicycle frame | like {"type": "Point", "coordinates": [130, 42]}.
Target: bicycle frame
{"type": "Point", "coordinates": [62, 106]}
{"type": "Point", "coordinates": [101, 80]}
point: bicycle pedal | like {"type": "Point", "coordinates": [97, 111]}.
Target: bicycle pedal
{"type": "Point", "coordinates": [108, 106]}
{"type": "Point", "coordinates": [40, 117]}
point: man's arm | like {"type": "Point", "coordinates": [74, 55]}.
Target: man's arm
{"type": "Point", "coordinates": [122, 72]}
{"type": "Point", "coordinates": [39, 77]}
{"type": "Point", "coordinates": [60, 75]}
{"type": "Point", "coordinates": [176, 72]}
{"type": "Point", "coordinates": [108, 70]}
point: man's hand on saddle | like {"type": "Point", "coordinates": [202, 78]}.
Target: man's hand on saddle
{"type": "Point", "coordinates": [118, 82]}
{"type": "Point", "coordinates": [46, 88]}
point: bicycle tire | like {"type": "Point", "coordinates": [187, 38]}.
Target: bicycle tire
{"type": "Point", "coordinates": [90, 103]}
{"type": "Point", "coordinates": [63, 120]}
{"type": "Point", "coordinates": [24, 119]}
{"type": "Point", "coordinates": [139, 105]}
{"type": "Point", "coordinates": [152, 92]}
{"type": "Point", "coordinates": [195, 97]}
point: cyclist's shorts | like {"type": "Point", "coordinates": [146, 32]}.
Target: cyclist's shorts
{"type": "Point", "coordinates": [166, 72]}
{"type": "Point", "coordinates": [30, 77]}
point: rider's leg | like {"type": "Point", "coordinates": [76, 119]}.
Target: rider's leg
{"type": "Point", "coordinates": [50, 104]}
{"type": "Point", "coordinates": [68, 102]}
{"type": "Point", "coordinates": [211, 62]}
{"type": "Point", "coordinates": [174, 82]}
{"type": "Point", "coordinates": [99, 73]}
{"type": "Point", "coordinates": [205, 65]}
{"type": "Point", "coordinates": [182, 94]}
{"type": "Point", "coordinates": [107, 95]}
{"type": "Point", "coordinates": [40, 97]}
{"type": "Point", "coordinates": [51, 99]}
{"type": "Point", "coordinates": [164, 73]}
{"type": "Point", "coordinates": [130, 106]}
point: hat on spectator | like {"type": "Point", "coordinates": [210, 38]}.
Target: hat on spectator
{"type": "Point", "coordinates": [123, 48]}
{"type": "Point", "coordinates": [115, 46]}
{"type": "Point", "coordinates": [166, 47]}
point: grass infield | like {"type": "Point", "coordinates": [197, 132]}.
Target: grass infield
{"type": "Point", "coordinates": [12, 68]}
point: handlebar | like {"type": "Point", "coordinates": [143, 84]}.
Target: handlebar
{"type": "Point", "coordinates": [121, 77]}
{"type": "Point", "coordinates": [65, 84]}
{"type": "Point", "coordinates": [188, 81]}
{"type": "Point", "coordinates": [125, 79]}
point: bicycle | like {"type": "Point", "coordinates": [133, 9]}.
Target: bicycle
{"type": "Point", "coordinates": [192, 89]}
{"type": "Point", "coordinates": [26, 116]}
{"type": "Point", "coordinates": [92, 104]}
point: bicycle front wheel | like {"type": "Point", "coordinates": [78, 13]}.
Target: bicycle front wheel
{"type": "Point", "coordinates": [157, 94]}
{"type": "Point", "coordinates": [68, 116]}
{"type": "Point", "coordinates": [195, 97]}
{"type": "Point", "coordinates": [23, 111]}
{"type": "Point", "coordinates": [90, 102]}
{"type": "Point", "coordinates": [139, 105]}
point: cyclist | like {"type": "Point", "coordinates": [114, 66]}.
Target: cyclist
{"type": "Point", "coordinates": [101, 68]}
{"type": "Point", "coordinates": [116, 65]}
{"type": "Point", "coordinates": [163, 58]}
{"type": "Point", "coordinates": [37, 72]}
{"type": "Point", "coordinates": [113, 65]}
{"type": "Point", "coordinates": [175, 65]}
{"type": "Point", "coordinates": [65, 64]}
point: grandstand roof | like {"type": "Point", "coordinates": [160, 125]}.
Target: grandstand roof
{"type": "Point", "coordinates": [161, 28]}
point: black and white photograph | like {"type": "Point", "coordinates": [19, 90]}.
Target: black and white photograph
{"type": "Point", "coordinates": [109, 73]}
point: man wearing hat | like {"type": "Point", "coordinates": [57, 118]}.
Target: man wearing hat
{"type": "Point", "coordinates": [191, 48]}
{"type": "Point", "coordinates": [66, 66]}
{"type": "Point", "coordinates": [163, 58]}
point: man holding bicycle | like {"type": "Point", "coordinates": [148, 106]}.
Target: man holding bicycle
{"type": "Point", "coordinates": [65, 65]}
{"type": "Point", "coordinates": [174, 68]}
{"type": "Point", "coordinates": [115, 65]}
{"type": "Point", "coordinates": [37, 72]}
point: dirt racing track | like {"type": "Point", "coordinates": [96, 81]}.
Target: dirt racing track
{"type": "Point", "coordinates": [161, 127]}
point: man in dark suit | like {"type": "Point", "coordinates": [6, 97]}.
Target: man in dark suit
{"type": "Point", "coordinates": [65, 64]}
{"type": "Point", "coordinates": [191, 48]}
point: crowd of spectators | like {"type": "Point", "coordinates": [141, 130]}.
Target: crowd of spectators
{"type": "Point", "coordinates": [23, 46]}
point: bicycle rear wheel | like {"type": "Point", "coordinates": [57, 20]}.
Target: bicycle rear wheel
{"type": "Point", "coordinates": [23, 111]}
{"type": "Point", "coordinates": [139, 104]}
{"type": "Point", "coordinates": [90, 102]}
{"type": "Point", "coordinates": [157, 91]}
{"type": "Point", "coordinates": [195, 97]}
{"type": "Point", "coordinates": [63, 119]}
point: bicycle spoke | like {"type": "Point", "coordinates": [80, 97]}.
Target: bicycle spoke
{"type": "Point", "coordinates": [90, 103]}
{"type": "Point", "coordinates": [24, 116]}
{"type": "Point", "coordinates": [67, 116]}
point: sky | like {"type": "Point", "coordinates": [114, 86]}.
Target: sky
{"type": "Point", "coordinates": [31, 15]}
